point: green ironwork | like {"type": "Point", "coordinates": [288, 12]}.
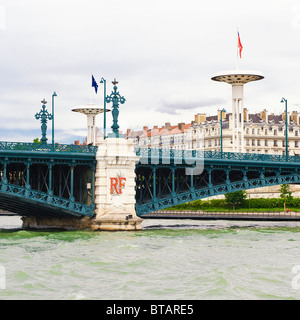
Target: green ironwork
{"type": "Point", "coordinates": [160, 155]}
{"type": "Point", "coordinates": [104, 117]}
{"type": "Point", "coordinates": [286, 127]}
{"type": "Point", "coordinates": [28, 201]}
{"type": "Point", "coordinates": [223, 110]}
{"type": "Point", "coordinates": [42, 148]}
{"type": "Point", "coordinates": [44, 116]}
{"type": "Point", "coordinates": [115, 98]}
{"type": "Point", "coordinates": [162, 181]}
{"type": "Point", "coordinates": [53, 95]}
{"type": "Point", "coordinates": [183, 197]}
{"type": "Point", "coordinates": [56, 178]}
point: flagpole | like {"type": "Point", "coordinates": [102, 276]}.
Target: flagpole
{"type": "Point", "coordinates": [237, 52]}
{"type": "Point", "coordinates": [91, 90]}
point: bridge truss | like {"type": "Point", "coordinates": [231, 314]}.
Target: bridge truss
{"type": "Point", "coordinates": [165, 178]}
{"type": "Point", "coordinates": [45, 180]}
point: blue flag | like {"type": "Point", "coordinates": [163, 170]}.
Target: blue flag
{"type": "Point", "coordinates": [94, 84]}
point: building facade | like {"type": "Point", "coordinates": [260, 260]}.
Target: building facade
{"type": "Point", "coordinates": [263, 132]}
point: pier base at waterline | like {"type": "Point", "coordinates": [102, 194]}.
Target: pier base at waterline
{"type": "Point", "coordinates": [115, 186]}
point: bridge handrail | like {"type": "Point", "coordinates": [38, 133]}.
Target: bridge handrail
{"type": "Point", "coordinates": [216, 155]}
{"type": "Point", "coordinates": [39, 147]}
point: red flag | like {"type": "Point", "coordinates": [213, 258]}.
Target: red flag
{"type": "Point", "coordinates": [240, 47]}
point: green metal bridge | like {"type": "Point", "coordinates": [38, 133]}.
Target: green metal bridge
{"type": "Point", "coordinates": [169, 177]}
{"type": "Point", "coordinates": [45, 180]}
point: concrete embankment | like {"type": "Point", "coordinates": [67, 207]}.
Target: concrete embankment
{"type": "Point", "coordinates": [7, 213]}
{"type": "Point", "coordinates": [201, 215]}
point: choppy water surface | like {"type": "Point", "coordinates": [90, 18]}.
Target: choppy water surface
{"type": "Point", "coordinates": [169, 259]}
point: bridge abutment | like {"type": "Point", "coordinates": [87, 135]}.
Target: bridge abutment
{"type": "Point", "coordinates": [115, 186]}
{"type": "Point", "coordinates": [56, 223]}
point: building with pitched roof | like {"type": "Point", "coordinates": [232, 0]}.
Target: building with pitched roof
{"type": "Point", "coordinates": [264, 132]}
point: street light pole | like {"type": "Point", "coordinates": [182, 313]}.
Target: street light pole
{"type": "Point", "coordinates": [223, 110]}
{"type": "Point", "coordinates": [286, 128]}
{"type": "Point", "coordinates": [104, 121]}
{"type": "Point", "coordinates": [54, 95]}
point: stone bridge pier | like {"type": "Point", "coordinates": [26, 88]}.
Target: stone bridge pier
{"type": "Point", "coordinates": [115, 186]}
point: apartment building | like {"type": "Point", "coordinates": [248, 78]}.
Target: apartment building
{"type": "Point", "coordinates": [264, 132]}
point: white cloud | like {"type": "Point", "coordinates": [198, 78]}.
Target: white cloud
{"type": "Point", "coordinates": [158, 50]}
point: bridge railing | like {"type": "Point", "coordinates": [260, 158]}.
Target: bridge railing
{"type": "Point", "coordinates": [163, 153]}
{"type": "Point", "coordinates": [39, 147]}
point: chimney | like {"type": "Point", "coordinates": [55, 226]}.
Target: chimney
{"type": "Point", "coordinates": [200, 117]}
{"type": "Point", "coordinates": [295, 117]}
{"type": "Point", "coordinates": [223, 116]}
{"type": "Point", "coordinates": [181, 126]}
{"type": "Point", "coordinates": [168, 125]}
{"type": "Point", "coordinates": [264, 115]}
{"type": "Point", "coordinates": [128, 132]}
{"type": "Point", "coordinates": [155, 127]}
{"type": "Point", "coordinates": [76, 142]}
{"type": "Point", "coordinates": [246, 115]}
{"type": "Point", "coordinates": [288, 117]}
{"type": "Point", "coordinates": [145, 128]}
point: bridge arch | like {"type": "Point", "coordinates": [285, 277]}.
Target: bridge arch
{"type": "Point", "coordinates": [42, 180]}
{"type": "Point", "coordinates": [160, 185]}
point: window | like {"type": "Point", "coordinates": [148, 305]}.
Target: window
{"type": "Point", "coordinates": [247, 131]}
{"type": "Point", "coordinates": [266, 143]}
{"type": "Point", "coordinates": [275, 143]}
{"type": "Point", "coordinates": [275, 132]}
{"type": "Point", "coordinates": [253, 142]}
{"type": "Point", "coordinates": [296, 144]}
{"type": "Point", "coordinates": [253, 132]}
{"type": "Point", "coordinates": [258, 131]}
{"type": "Point", "coordinates": [258, 143]}
{"type": "Point", "coordinates": [247, 142]}
{"type": "Point", "coordinates": [266, 132]}
{"type": "Point", "coordinates": [296, 133]}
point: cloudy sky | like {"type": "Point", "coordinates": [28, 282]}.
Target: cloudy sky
{"type": "Point", "coordinates": [162, 52]}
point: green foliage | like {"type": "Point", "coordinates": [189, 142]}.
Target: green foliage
{"type": "Point", "coordinates": [235, 198]}
{"type": "Point", "coordinates": [285, 193]}
{"type": "Point", "coordinates": [248, 204]}
{"type": "Point", "coordinates": [37, 141]}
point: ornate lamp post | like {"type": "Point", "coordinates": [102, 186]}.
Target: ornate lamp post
{"type": "Point", "coordinates": [115, 98]}
{"type": "Point", "coordinates": [54, 95]}
{"type": "Point", "coordinates": [44, 116]}
{"type": "Point", "coordinates": [286, 128]}
{"type": "Point", "coordinates": [104, 121]}
{"type": "Point", "coordinates": [223, 110]}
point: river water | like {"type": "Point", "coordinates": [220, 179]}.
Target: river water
{"type": "Point", "coordinates": [168, 259]}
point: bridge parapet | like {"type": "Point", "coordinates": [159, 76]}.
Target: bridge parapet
{"type": "Point", "coordinates": [149, 154]}
{"type": "Point", "coordinates": [39, 147]}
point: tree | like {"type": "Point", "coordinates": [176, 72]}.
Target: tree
{"type": "Point", "coordinates": [285, 194]}
{"type": "Point", "coordinates": [37, 141]}
{"type": "Point", "coordinates": [236, 197]}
